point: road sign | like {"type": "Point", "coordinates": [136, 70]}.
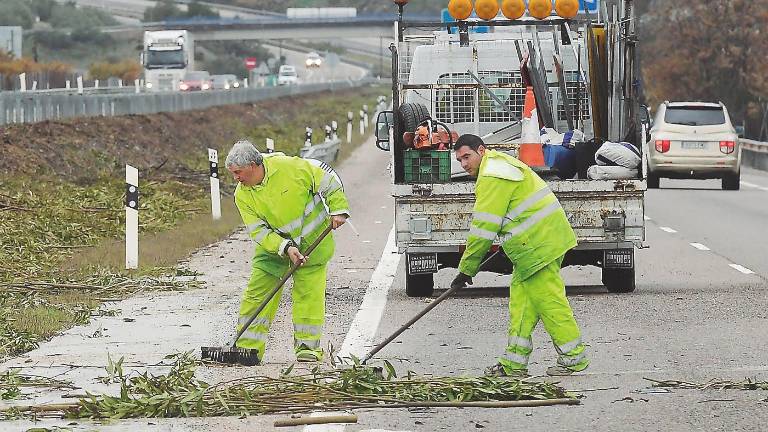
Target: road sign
{"type": "Point", "coordinates": [588, 6]}
{"type": "Point", "coordinates": [250, 62]}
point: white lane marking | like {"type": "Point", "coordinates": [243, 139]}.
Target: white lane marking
{"type": "Point", "coordinates": [700, 246]}
{"type": "Point", "coordinates": [366, 322]}
{"type": "Point", "coordinates": [742, 269]}
{"type": "Point", "coordinates": [646, 218]}
{"type": "Point", "coordinates": [752, 185]}
{"type": "Point", "coordinates": [667, 229]}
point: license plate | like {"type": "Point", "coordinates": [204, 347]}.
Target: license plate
{"type": "Point", "coordinates": [618, 258]}
{"type": "Point", "coordinates": [693, 145]}
{"type": "Point", "coordinates": [421, 263]}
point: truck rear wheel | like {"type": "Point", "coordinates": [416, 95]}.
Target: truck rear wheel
{"type": "Point", "coordinates": [619, 280]}
{"type": "Point", "coordinates": [420, 285]}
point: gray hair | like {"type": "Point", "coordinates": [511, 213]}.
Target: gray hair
{"type": "Point", "coordinates": [243, 153]}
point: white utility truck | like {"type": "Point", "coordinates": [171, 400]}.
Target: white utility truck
{"type": "Point", "coordinates": [472, 82]}
{"type": "Point", "coordinates": [167, 56]}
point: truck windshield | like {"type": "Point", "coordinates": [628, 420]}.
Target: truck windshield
{"type": "Point", "coordinates": [694, 115]}
{"type": "Point", "coordinates": [172, 59]}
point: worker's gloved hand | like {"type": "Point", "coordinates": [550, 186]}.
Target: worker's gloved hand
{"type": "Point", "coordinates": [461, 280]}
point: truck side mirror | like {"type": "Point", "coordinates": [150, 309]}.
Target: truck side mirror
{"type": "Point", "coordinates": [645, 120]}
{"type": "Point", "coordinates": [384, 121]}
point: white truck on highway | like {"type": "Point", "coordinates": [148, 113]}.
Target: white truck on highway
{"type": "Point", "coordinates": [166, 57]}
{"type": "Point", "coordinates": [472, 82]}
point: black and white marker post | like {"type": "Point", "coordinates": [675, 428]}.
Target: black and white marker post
{"type": "Point", "coordinates": [362, 123]}
{"type": "Point", "coordinates": [335, 129]}
{"type": "Point", "coordinates": [365, 116]}
{"type": "Point", "coordinates": [328, 132]}
{"type": "Point", "coordinates": [270, 145]}
{"type": "Point", "coordinates": [131, 217]}
{"type": "Point", "coordinates": [350, 116]}
{"type": "Point", "coordinates": [308, 137]}
{"type": "Point", "coordinates": [213, 163]}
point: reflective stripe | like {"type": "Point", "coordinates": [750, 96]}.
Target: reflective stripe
{"type": "Point", "coordinates": [527, 203]}
{"type": "Point", "coordinates": [571, 361]}
{"type": "Point", "coordinates": [568, 347]}
{"type": "Point", "coordinates": [312, 204]}
{"type": "Point", "coordinates": [308, 328]}
{"type": "Point", "coordinates": [308, 228]}
{"type": "Point", "coordinates": [261, 337]}
{"type": "Point", "coordinates": [532, 220]}
{"type": "Point", "coordinates": [258, 321]}
{"type": "Point", "coordinates": [488, 217]}
{"type": "Point", "coordinates": [311, 344]}
{"type": "Point", "coordinates": [340, 212]}
{"type": "Point", "coordinates": [260, 236]}
{"type": "Point", "coordinates": [479, 232]}
{"type": "Point", "coordinates": [290, 227]}
{"type": "Point", "coordinates": [254, 226]}
{"type": "Point", "coordinates": [517, 358]}
{"type": "Point", "coordinates": [328, 185]}
{"type": "Point", "coordinates": [521, 342]}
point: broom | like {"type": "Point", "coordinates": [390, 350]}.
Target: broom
{"type": "Point", "coordinates": [247, 356]}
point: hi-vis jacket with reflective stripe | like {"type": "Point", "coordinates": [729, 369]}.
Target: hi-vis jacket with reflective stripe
{"type": "Point", "coordinates": [288, 205]}
{"type": "Point", "coordinates": [514, 204]}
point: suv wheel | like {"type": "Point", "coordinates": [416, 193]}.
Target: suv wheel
{"type": "Point", "coordinates": [619, 280]}
{"type": "Point", "coordinates": [732, 181]}
{"type": "Point", "coordinates": [420, 285]}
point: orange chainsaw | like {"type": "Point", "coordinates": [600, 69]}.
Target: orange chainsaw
{"type": "Point", "coordinates": [427, 137]}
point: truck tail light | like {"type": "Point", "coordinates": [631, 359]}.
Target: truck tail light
{"type": "Point", "coordinates": [662, 146]}
{"type": "Point", "coordinates": [727, 147]}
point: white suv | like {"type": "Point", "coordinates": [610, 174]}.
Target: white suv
{"type": "Point", "coordinates": [694, 140]}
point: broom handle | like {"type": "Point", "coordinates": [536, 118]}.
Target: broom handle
{"type": "Point", "coordinates": [418, 316]}
{"type": "Point", "coordinates": [280, 284]}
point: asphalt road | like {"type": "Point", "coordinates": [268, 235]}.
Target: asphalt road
{"type": "Point", "coordinates": [694, 317]}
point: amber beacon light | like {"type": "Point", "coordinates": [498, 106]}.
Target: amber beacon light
{"type": "Point", "coordinates": [513, 9]}
{"type": "Point", "coordinates": [487, 9]}
{"type": "Point", "coordinates": [460, 9]}
{"type": "Point", "coordinates": [567, 8]}
{"type": "Point", "coordinates": [540, 9]}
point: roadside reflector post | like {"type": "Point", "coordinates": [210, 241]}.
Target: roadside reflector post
{"type": "Point", "coordinates": [362, 123]}
{"type": "Point", "coordinates": [34, 85]}
{"type": "Point", "coordinates": [119, 82]}
{"type": "Point", "coordinates": [335, 130]}
{"type": "Point", "coordinates": [95, 84]}
{"type": "Point", "coordinates": [80, 84]}
{"type": "Point", "coordinates": [23, 82]}
{"type": "Point", "coordinates": [328, 132]}
{"type": "Point", "coordinates": [308, 137]}
{"type": "Point", "coordinates": [131, 217]}
{"type": "Point", "coordinates": [350, 116]}
{"type": "Point", "coordinates": [270, 145]}
{"type": "Point", "coordinates": [213, 164]}
{"type": "Point", "coordinates": [365, 116]}
{"type": "Point", "coordinates": [136, 85]}
{"type": "Point", "coordinates": [67, 84]}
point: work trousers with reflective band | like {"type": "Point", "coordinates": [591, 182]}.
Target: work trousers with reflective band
{"type": "Point", "coordinates": [308, 295]}
{"type": "Point", "coordinates": [542, 296]}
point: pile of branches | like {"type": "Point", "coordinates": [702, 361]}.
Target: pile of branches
{"type": "Point", "coordinates": [714, 384]}
{"type": "Point", "coordinates": [180, 394]}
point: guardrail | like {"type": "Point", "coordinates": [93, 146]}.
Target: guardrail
{"type": "Point", "coordinates": [32, 107]}
{"type": "Point", "coordinates": [754, 154]}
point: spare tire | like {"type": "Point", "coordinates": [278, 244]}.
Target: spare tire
{"type": "Point", "coordinates": [408, 117]}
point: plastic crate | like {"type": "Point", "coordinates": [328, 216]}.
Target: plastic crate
{"type": "Point", "coordinates": [427, 166]}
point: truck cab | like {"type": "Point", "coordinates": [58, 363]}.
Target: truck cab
{"type": "Point", "coordinates": [473, 82]}
{"type": "Point", "coordinates": [166, 56]}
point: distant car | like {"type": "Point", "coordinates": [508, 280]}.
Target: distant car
{"type": "Point", "coordinates": [196, 81]}
{"type": "Point", "coordinates": [287, 75]}
{"type": "Point", "coordinates": [694, 140]}
{"type": "Point", "coordinates": [313, 60]}
{"type": "Point", "coordinates": [224, 82]}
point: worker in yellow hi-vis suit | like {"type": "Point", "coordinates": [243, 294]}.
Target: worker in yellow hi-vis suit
{"type": "Point", "coordinates": [516, 206]}
{"type": "Point", "coordinates": [286, 203]}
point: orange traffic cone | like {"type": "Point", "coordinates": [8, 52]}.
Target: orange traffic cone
{"type": "Point", "coordinates": [530, 151]}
